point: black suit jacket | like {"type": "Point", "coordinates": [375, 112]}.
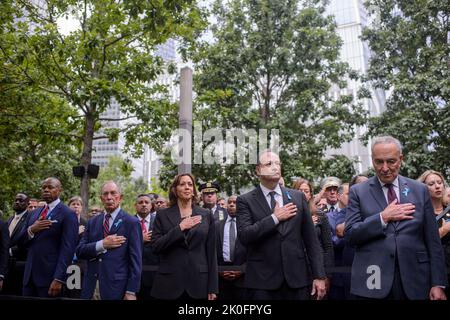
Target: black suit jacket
{"type": "Point", "coordinates": [188, 260]}
{"type": "Point", "coordinates": [19, 251]}
{"type": "Point", "coordinates": [4, 247]}
{"type": "Point", "coordinates": [289, 251]}
{"type": "Point", "coordinates": [240, 253]}
{"type": "Point", "coordinates": [149, 258]}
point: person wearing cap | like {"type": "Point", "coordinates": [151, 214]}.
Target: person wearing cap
{"type": "Point", "coordinates": [209, 196]}
{"type": "Point", "coordinates": [284, 259]}
{"type": "Point", "coordinates": [391, 222]}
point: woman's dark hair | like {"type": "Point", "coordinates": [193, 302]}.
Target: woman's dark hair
{"type": "Point", "coordinates": [173, 189]}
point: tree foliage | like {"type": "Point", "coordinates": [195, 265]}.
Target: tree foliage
{"type": "Point", "coordinates": [411, 58]}
{"type": "Point", "coordinates": [110, 55]}
{"type": "Point", "coordinates": [119, 171]}
{"type": "Point", "coordinates": [271, 65]}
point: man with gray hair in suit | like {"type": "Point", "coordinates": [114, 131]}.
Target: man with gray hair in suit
{"type": "Point", "coordinates": [391, 223]}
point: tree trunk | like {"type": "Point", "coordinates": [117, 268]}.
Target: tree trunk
{"type": "Point", "coordinates": [86, 159]}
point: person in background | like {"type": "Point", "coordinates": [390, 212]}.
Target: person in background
{"type": "Point", "coordinates": [222, 202]}
{"type": "Point", "coordinates": [4, 249]}
{"type": "Point", "coordinates": [146, 217]}
{"type": "Point", "coordinates": [17, 251]}
{"type": "Point", "coordinates": [209, 197]}
{"type": "Point", "coordinates": [435, 182]}
{"type": "Point", "coordinates": [321, 226]}
{"type": "Point", "coordinates": [160, 203]}
{"type": "Point", "coordinates": [33, 204]}
{"type": "Point", "coordinates": [76, 204]}
{"type": "Point", "coordinates": [230, 252]}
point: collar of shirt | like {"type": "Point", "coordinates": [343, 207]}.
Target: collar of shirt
{"type": "Point", "coordinates": [394, 183]}
{"type": "Point", "coordinates": [229, 218]}
{"type": "Point", "coordinates": [336, 207]}
{"type": "Point", "coordinates": [213, 209]}
{"type": "Point", "coordinates": [266, 191]}
{"type": "Point", "coordinates": [20, 215]}
{"type": "Point", "coordinates": [114, 213]}
{"type": "Point", "coordinates": [53, 204]}
{"type": "Point", "coordinates": [146, 219]}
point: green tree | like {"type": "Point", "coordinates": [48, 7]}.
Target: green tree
{"type": "Point", "coordinates": [409, 41]}
{"type": "Point", "coordinates": [271, 65]}
{"type": "Point", "coordinates": [111, 55]}
{"type": "Point", "coordinates": [120, 171]}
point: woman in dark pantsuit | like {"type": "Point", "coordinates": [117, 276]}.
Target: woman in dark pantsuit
{"type": "Point", "coordinates": [184, 237]}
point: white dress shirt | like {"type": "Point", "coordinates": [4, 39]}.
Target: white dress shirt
{"type": "Point", "coordinates": [278, 198]}
{"type": "Point", "coordinates": [226, 238]}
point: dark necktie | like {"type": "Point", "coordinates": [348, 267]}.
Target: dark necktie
{"type": "Point", "coordinates": [272, 200]}
{"type": "Point", "coordinates": [391, 193]}
{"type": "Point", "coordinates": [44, 213]}
{"type": "Point", "coordinates": [232, 238]}
{"type": "Point", "coordinates": [106, 225]}
{"type": "Point", "coordinates": [332, 209]}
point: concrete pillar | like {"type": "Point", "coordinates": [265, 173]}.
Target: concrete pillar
{"type": "Point", "coordinates": [185, 120]}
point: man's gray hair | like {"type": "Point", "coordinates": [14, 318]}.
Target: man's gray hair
{"type": "Point", "coordinates": [111, 181]}
{"type": "Point", "coordinates": [386, 140]}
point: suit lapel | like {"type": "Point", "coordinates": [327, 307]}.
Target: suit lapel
{"type": "Point", "coordinates": [260, 199]}
{"type": "Point", "coordinates": [117, 223]}
{"type": "Point", "coordinates": [283, 226]}
{"type": "Point", "coordinates": [52, 215]}
{"type": "Point", "coordinates": [403, 191]}
{"type": "Point", "coordinates": [174, 215]}
{"type": "Point", "coordinates": [377, 193]}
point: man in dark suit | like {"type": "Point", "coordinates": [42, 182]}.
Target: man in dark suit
{"type": "Point", "coordinates": [230, 252]}
{"type": "Point", "coordinates": [112, 244]}
{"type": "Point", "coordinates": [209, 197]}
{"type": "Point", "coordinates": [146, 217]}
{"type": "Point", "coordinates": [391, 221]}
{"type": "Point", "coordinates": [51, 235]}
{"type": "Point", "coordinates": [17, 252]}
{"type": "Point", "coordinates": [4, 246]}
{"type": "Point", "coordinates": [275, 225]}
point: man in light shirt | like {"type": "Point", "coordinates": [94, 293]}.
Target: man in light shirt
{"type": "Point", "coordinates": [390, 220]}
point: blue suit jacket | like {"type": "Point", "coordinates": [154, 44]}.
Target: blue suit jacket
{"type": "Point", "coordinates": [50, 251]}
{"type": "Point", "coordinates": [117, 270]}
{"type": "Point", "coordinates": [415, 243]}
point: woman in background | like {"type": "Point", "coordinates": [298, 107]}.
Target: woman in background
{"type": "Point", "coordinates": [436, 186]}
{"type": "Point", "coordinates": [321, 225]}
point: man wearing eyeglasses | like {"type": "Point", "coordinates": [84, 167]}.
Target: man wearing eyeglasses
{"type": "Point", "coordinates": [391, 223]}
{"type": "Point", "coordinates": [284, 260]}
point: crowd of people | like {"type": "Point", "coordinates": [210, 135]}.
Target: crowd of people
{"type": "Point", "coordinates": [380, 237]}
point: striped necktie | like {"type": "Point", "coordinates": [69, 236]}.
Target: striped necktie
{"type": "Point", "coordinates": [106, 225]}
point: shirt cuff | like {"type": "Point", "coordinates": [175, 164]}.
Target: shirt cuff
{"type": "Point", "coordinates": [275, 219]}
{"type": "Point", "coordinates": [383, 224]}
{"type": "Point", "coordinates": [99, 247]}
{"type": "Point", "coordinates": [130, 292]}
{"type": "Point", "coordinates": [30, 234]}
